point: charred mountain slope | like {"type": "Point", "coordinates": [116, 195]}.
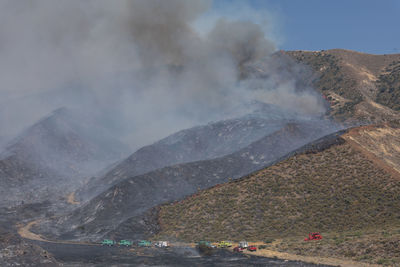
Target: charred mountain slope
{"type": "Point", "coordinates": [198, 143]}
{"type": "Point", "coordinates": [134, 196]}
{"type": "Point", "coordinates": [55, 153]}
{"type": "Point", "coordinates": [15, 250]}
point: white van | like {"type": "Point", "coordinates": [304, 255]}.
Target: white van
{"type": "Point", "coordinates": [161, 244]}
{"type": "Point", "coordinates": [243, 244]}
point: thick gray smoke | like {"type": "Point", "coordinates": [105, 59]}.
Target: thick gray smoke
{"type": "Point", "coordinates": [139, 65]}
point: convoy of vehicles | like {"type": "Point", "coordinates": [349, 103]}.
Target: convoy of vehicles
{"type": "Point", "coordinates": [129, 243]}
{"type": "Point", "coordinates": [243, 245]}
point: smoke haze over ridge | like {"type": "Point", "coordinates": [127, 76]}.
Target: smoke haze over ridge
{"type": "Point", "coordinates": [140, 66]}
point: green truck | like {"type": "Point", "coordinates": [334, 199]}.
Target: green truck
{"type": "Point", "coordinates": [144, 243]}
{"type": "Point", "coordinates": [125, 243]}
{"type": "Point", "coordinates": [108, 242]}
{"type": "Point", "coordinates": [204, 243]}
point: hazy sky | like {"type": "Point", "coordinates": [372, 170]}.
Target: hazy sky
{"type": "Point", "coordinates": [144, 68]}
{"type": "Point", "coordinates": [371, 26]}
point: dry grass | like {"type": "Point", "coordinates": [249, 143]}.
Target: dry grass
{"type": "Point", "coordinates": [337, 191]}
{"type": "Point", "coordinates": [352, 80]}
{"type": "Point", "coordinates": [389, 86]}
{"type": "Point", "coordinates": [369, 246]}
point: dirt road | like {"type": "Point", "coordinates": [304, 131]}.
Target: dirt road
{"type": "Point", "coordinates": [315, 260]}
{"type": "Point", "coordinates": [25, 232]}
{"type": "Point", "coordinates": [77, 253]}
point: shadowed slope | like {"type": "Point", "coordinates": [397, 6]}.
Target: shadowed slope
{"type": "Point", "coordinates": [133, 196]}
{"type": "Point", "coordinates": [198, 143]}
{"type": "Point", "coordinates": [54, 154]}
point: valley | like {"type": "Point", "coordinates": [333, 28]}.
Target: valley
{"type": "Point", "coordinates": [269, 176]}
{"type": "Point", "coordinates": [199, 133]}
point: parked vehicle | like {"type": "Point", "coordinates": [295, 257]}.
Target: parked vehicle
{"type": "Point", "coordinates": [252, 248]}
{"type": "Point", "coordinates": [238, 249]}
{"type": "Point", "coordinates": [224, 244]}
{"type": "Point", "coordinates": [144, 243]}
{"type": "Point", "coordinates": [313, 236]}
{"type": "Point", "coordinates": [204, 243]}
{"type": "Point", "coordinates": [243, 244]}
{"type": "Point", "coordinates": [108, 242]}
{"type": "Point", "coordinates": [162, 244]}
{"type": "Point", "coordinates": [126, 243]}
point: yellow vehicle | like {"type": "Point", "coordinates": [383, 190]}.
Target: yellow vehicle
{"type": "Point", "coordinates": [225, 244]}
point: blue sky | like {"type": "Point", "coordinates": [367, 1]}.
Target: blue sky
{"type": "Point", "coordinates": [371, 26]}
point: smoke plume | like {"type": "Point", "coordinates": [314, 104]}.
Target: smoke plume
{"type": "Point", "coordinates": [140, 66]}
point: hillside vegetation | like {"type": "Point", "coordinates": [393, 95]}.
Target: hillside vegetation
{"type": "Point", "coordinates": [382, 142]}
{"type": "Point", "coordinates": [339, 190]}
{"type": "Point", "coordinates": [358, 86]}
{"type": "Point", "coordinates": [389, 86]}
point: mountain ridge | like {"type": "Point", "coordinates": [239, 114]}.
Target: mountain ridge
{"type": "Point", "coordinates": [135, 195]}
{"type": "Point", "coordinates": [55, 153]}
{"type": "Point", "coordinates": [353, 83]}
{"type": "Point", "coordinates": [198, 143]}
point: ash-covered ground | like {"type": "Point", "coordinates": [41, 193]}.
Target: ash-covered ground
{"type": "Point", "coordinates": [53, 157]}
{"type": "Point", "coordinates": [120, 208]}
{"type": "Point", "coordinates": [81, 255]}
{"type": "Point", "coordinates": [166, 184]}
{"type": "Point", "coordinates": [18, 251]}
